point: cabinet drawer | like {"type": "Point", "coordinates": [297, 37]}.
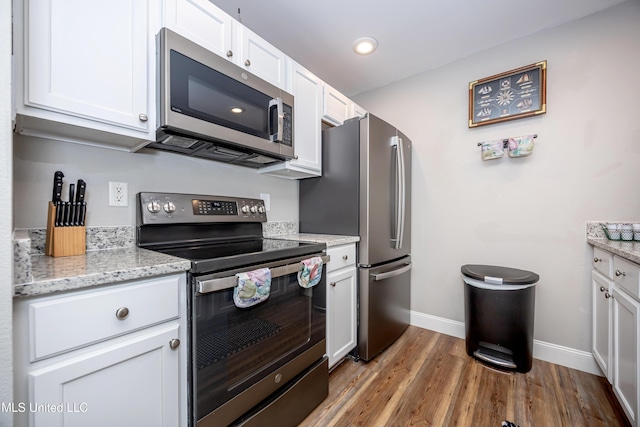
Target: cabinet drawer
{"type": "Point", "coordinates": [627, 275]}
{"type": "Point", "coordinates": [341, 256]}
{"type": "Point", "coordinates": [60, 324]}
{"type": "Point", "coordinates": [603, 262]}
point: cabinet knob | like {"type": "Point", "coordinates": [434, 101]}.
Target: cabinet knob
{"type": "Point", "coordinates": [345, 257]}
{"type": "Point", "coordinates": [620, 273]}
{"type": "Point", "coordinates": [332, 284]}
{"type": "Point", "coordinates": [174, 343]}
{"type": "Point", "coordinates": [229, 54]}
{"type": "Point", "coordinates": [608, 295]}
{"type": "Point", "coordinates": [596, 259]}
{"type": "Point", "coordinates": [247, 62]}
{"type": "Point", "coordinates": [122, 313]}
{"type": "Point", "coordinates": [143, 117]}
{"type": "Point", "coordinates": [602, 289]}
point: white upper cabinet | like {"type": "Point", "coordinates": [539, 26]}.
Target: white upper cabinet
{"type": "Point", "coordinates": [259, 57]}
{"type": "Point", "coordinates": [307, 91]}
{"type": "Point", "coordinates": [204, 23]}
{"type": "Point", "coordinates": [357, 111]}
{"type": "Point", "coordinates": [85, 71]}
{"type": "Point", "coordinates": [201, 22]}
{"type": "Point", "coordinates": [335, 106]}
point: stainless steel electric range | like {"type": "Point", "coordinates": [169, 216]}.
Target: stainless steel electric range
{"type": "Point", "coordinates": [256, 366]}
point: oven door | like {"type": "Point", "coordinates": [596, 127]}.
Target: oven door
{"type": "Point", "coordinates": [243, 355]}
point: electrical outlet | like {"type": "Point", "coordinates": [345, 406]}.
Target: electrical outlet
{"type": "Point", "coordinates": [267, 201]}
{"type": "Point", "coordinates": [118, 194]}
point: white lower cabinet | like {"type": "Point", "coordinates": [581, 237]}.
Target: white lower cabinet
{"type": "Point", "coordinates": [130, 372]}
{"type": "Point", "coordinates": [341, 302]}
{"type": "Point", "coordinates": [616, 327]}
{"type": "Point", "coordinates": [626, 360]}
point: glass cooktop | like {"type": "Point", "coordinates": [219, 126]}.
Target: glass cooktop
{"type": "Point", "coordinates": [227, 255]}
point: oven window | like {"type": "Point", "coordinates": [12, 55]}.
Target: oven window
{"type": "Point", "coordinates": [237, 347]}
{"type": "Point", "coordinates": [204, 93]}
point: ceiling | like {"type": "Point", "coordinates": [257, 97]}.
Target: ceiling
{"type": "Point", "coordinates": [413, 35]}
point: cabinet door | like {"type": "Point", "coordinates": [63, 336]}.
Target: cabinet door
{"type": "Point", "coordinates": [132, 383]}
{"type": "Point", "coordinates": [201, 22]}
{"type": "Point", "coordinates": [307, 90]}
{"type": "Point", "coordinates": [335, 106]}
{"type": "Point", "coordinates": [259, 57]}
{"type": "Point", "coordinates": [602, 323]}
{"type": "Point", "coordinates": [626, 354]}
{"type": "Point", "coordinates": [341, 314]}
{"type": "Point", "coordinates": [89, 59]}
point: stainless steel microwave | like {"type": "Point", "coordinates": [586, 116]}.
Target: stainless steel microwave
{"type": "Point", "coordinates": [211, 108]}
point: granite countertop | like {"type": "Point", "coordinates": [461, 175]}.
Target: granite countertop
{"type": "Point", "coordinates": [329, 239]}
{"type": "Point", "coordinates": [96, 268]}
{"type": "Point", "coordinates": [629, 250]}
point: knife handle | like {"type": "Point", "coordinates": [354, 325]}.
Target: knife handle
{"type": "Point", "coordinates": [81, 188]}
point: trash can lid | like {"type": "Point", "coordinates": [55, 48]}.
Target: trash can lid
{"type": "Point", "coordinates": [499, 275]}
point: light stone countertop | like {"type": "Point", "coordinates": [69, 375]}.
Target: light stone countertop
{"type": "Point", "coordinates": [629, 250]}
{"type": "Point", "coordinates": [329, 239]}
{"type": "Point", "coordinates": [98, 267]}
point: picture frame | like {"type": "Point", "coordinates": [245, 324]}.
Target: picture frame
{"type": "Point", "coordinates": [511, 95]}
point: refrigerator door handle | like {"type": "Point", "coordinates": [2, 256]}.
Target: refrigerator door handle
{"type": "Point", "coordinates": [400, 196]}
{"type": "Point", "coordinates": [402, 201]}
{"type": "Point", "coordinates": [392, 273]}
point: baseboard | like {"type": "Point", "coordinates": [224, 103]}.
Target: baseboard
{"type": "Point", "coordinates": [560, 355]}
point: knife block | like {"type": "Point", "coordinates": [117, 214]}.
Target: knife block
{"type": "Point", "coordinates": [64, 241]}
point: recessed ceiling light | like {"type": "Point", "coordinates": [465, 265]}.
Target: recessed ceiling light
{"type": "Point", "coordinates": [365, 45]}
{"type": "Point", "coordinates": [237, 110]}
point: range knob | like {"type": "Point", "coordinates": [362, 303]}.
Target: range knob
{"type": "Point", "coordinates": [245, 209]}
{"type": "Point", "coordinates": [153, 206]}
{"type": "Point", "coordinates": [169, 207]}
{"type": "Point", "coordinates": [261, 209]}
{"type": "Point", "coordinates": [254, 209]}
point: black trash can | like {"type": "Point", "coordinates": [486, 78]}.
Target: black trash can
{"type": "Point", "coordinates": [499, 305]}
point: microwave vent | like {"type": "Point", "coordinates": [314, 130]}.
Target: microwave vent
{"type": "Point", "coordinates": [179, 141]}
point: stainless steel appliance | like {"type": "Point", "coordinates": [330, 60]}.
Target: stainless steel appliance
{"type": "Point", "coordinates": [262, 365]}
{"type": "Point", "coordinates": [211, 108]}
{"type": "Point", "coordinates": [365, 190]}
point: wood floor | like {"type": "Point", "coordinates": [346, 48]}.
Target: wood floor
{"type": "Point", "coordinates": [427, 379]}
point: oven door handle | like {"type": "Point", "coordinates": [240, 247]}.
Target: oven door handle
{"type": "Point", "coordinates": [213, 285]}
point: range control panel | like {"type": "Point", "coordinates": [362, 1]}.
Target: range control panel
{"type": "Point", "coordinates": [176, 208]}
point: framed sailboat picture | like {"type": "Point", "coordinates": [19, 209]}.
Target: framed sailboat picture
{"type": "Point", "coordinates": [510, 95]}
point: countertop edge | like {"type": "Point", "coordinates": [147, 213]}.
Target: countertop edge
{"type": "Point", "coordinates": [329, 239]}
{"type": "Point", "coordinates": [628, 250]}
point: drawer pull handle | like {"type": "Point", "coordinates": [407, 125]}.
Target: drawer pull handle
{"type": "Point", "coordinates": [620, 273]}
{"type": "Point", "coordinates": [229, 54]}
{"type": "Point", "coordinates": [143, 117]}
{"type": "Point", "coordinates": [608, 295]}
{"type": "Point", "coordinates": [345, 257]}
{"type": "Point", "coordinates": [122, 313]}
{"type": "Point", "coordinates": [602, 289]}
{"type": "Point", "coordinates": [247, 63]}
{"type": "Point", "coordinates": [332, 284]}
{"type": "Point", "coordinates": [596, 259]}
{"type": "Point", "coordinates": [174, 343]}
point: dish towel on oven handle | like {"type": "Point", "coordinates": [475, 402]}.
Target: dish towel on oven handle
{"type": "Point", "coordinates": [253, 287]}
{"type": "Point", "coordinates": [311, 272]}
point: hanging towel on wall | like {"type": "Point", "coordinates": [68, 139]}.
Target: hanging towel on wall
{"type": "Point", "coordinates": [492, 149]}
{"type": "Point", "coordinates": [253, 287]}
{"type": "Point", "coordinates": [311, 272]}
{"type": "Point", "coordinates": [521, 146]}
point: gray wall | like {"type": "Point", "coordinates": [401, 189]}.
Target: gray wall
{"type": "Point", "coordinates": [35, 161]}
{"type": "Point", "coordinates": [6, 226]}
{"type": "Point", "coordinates": [527, 213]}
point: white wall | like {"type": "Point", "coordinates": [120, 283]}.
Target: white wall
{"type": "Point", "coordinates": [36, 160]}
{"type": "Point", "coordinates": [527, 213]}
{"type": "Point", "coordinates": [6, 226]}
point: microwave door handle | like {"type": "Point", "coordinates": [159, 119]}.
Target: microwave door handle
{"type": "Point", "coordinates": [277, 103]}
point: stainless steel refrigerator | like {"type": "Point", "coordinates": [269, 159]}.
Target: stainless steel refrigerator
{"type": "Point", "coordinates": [365, 190]}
